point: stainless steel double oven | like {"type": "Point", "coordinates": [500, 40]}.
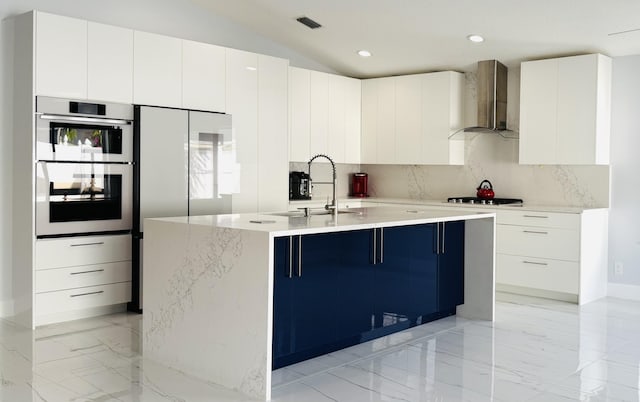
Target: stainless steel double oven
{"type": "Point", "coordinates": [84, 174]}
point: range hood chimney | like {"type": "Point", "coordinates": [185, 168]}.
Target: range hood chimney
{"type": "Point", "coordinates": [492, 97]}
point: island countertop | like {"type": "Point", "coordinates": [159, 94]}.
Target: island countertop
{"type": "Point", "coordinates": [208, 284]}
{"type": "Point", "coordinates": [351, 219]}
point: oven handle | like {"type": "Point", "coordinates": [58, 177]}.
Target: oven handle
{"type": "Point", "coordinates": [45, 116]}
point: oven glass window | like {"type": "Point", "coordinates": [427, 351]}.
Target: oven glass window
{"type": "Point", "coordinates": [71, 138]}
{"type": "Point", "coordinates": [85, 193]}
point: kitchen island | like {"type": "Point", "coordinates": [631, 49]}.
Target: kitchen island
{"type": "Point", "coordinates": [209, 281]}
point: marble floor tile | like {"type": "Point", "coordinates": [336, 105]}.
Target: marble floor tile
{"type": "Point", "coordinates": [537, 350]}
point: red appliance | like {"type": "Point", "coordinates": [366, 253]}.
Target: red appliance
{"type": "Point", "coordinates": [485, 190]}
{"type": "Point", "coordinates": [359, 183]}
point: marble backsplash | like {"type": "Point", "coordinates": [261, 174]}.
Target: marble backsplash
{"type": "Point", "coordinates": [489, 156]}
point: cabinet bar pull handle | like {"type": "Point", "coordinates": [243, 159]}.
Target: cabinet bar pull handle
{"type": "Point", "coordinates": [535, 263]}
{"type": "Point", "coordinates": [443, 235]}
{"type": "Point", "coordinates": [299, 256]}
{"type": "Point", "coordinates": [290, 256]}
{"type": "Point", "coordinates": [535, 216]}
{"type": "Point", "coordinates": [438, 238]}
{"type": "Point", "coordinates": [535, 232]}
{"type": "Point", "coordinates": [87, 294]}
{"type": "Point", "coordinates": [87, 244]}
{"type": "Point", "coordinates": [86, 272]}
{"type": "Point", "coordinates": [381, 245]}
{"type": "Point", "coordinates": [375, 246]}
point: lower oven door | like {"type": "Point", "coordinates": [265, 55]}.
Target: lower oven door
{"type": "Point", "coordinates": [76, 198]}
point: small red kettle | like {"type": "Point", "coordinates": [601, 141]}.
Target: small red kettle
{"type": "Point", "coordinates": [485, 190]}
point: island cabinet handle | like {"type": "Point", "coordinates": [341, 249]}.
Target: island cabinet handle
{"type": "Point", "coordinates": [438, 238]}
{"type": "Point", "coordinates": [443, 235]}
{"type": "Point", "coordinates": [375, 246]}
{"type": "Point", "coordinates": [290, 256]}
{"type": "Point", "coordinates": [381, 245]}
{"type": "Point", "coordinates": [299, 256]}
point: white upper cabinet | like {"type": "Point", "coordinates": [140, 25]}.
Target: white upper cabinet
{"type": "Point", "coordinates": [408, 119]}
{"type": "Point", "coordinates": [273, 158]}
{"type": "Point", "coordinates": [110, 63]}
{"type": "Point", "coordinates": [299, 114]}
{"type": "Point", "coordinates": [353, 111]}
{"type": "Point", "coordinates": [319, 114]}
{"type": "Point", "coordinates": [442, 115]}
{"type": "Point", "coordinates": [324, 116]}
{"type": "Point", "coordinates": [157, 70]}
{"type": "Point", "coordinates": [565, 107]}
{"type": "Point", "coordinates": [203, 76]}
{"type": "Point", "coordinates": [61, 56]}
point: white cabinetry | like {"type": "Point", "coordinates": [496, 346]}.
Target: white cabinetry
{"type": "Point", "coordinates": [556, 255]}
{"type": "Point", "coordinates": [61, 56]}
{"type": "Point", "coordinates": [203, 76]}
{"type": "Point", "coordinates": [157, 70]}
{"type": "Point", "coordinates": [565, 110]}
{"type": "Point", "coordinates": [75, 275]}
{"type": "Point", "coordinates": [408, 119]}
{"type": "Point", "coordinates": [242, 104]}
{"type": "Point", "coordinates": [273, 158]}
{"type": "Point", "coordinates": [109, 63]}
{"type": "Point", "coordinates": [324, 116]}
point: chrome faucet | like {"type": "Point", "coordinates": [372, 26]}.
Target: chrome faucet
{"type": "Point", "coordinates": [333, 207]}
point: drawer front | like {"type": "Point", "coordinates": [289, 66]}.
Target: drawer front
{"type": "Point", "coordinates": [77, 299]}
{"type": "Point", "coordinates": [538, 273]}
{"type": "Point", "coordinates": [539, 219]}
{"type": "Point", "coordinates": [74, 251]}
{"type": "Point", "coordinates": [81, 276]}
{"type": "Point", "coordinates": [557, 244]}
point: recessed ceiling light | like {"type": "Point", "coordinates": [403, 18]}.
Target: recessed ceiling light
{"type": "Point", "coordinates": [364, 53]}
{"type": "Point", "coordinates": [475, 38]}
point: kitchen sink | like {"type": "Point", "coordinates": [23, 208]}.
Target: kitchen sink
{"type": "Point", "coordinates": [311, 213]}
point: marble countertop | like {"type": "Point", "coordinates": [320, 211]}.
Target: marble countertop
{"type": "Point", "coordinates": [356, 218]}
{"type": "Point", "coordinates": [441, 203]}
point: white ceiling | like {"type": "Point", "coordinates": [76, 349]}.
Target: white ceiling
{"type": "Point", "coordinates": [407, 36]}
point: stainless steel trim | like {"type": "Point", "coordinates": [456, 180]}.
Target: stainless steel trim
{"type": "Point", "coordinates": [97, 120]}
{"type": "Point", "coordinates": [534, 263]}
{"type": "Point", "coordinates": [381, 245]}
{"type": "Point", "coordinates": [535, 216]}
{"type": "Point", "coordinates": [375, 246]}
{"type": "Point", "coordinates": [86, 272]}
{"type": "Point", "coordinates": [97, 243]}
{"type": "Point", "coordinates": [290, 256]}
{"type": "Point", "coordinates": [87, 294]}
{"type": "Point", "coordinates": [438, 238]}
{"type": "Point", "coordinates": [535, 232]}
{"type": "Point", "coordinates": [299, 256]}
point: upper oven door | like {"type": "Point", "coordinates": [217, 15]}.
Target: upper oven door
{"type": "Point", "coordinates": [76, 198]}
{"type": "Point", "coordinates": [64, 134]}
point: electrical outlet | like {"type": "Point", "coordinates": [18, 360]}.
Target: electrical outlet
{"type": "Point", "coordinates": [618, 268]}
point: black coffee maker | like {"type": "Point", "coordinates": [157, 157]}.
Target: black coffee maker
{"type": "Point", "coordinates": [299, 186]}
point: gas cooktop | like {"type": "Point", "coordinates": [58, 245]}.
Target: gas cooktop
{"type": "Point", "coordinates": [476, 200]}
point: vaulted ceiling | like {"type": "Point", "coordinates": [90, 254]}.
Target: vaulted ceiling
{"type": "Point", "coordinates": [407, 36]}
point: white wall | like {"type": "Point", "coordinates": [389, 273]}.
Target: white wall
{"type": "Point", "coordinates": [177, 18]}
{"type": "Point", "coordinates": [624, 218]}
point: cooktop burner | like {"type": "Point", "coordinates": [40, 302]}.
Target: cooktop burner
{"type": "Point", "coordinates": [476, 200]}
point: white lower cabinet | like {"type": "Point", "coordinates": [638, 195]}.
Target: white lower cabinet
{"type": "Point", "coordinates": [73, 275]}
{"type": "Point", "coordinates": [554, 255]}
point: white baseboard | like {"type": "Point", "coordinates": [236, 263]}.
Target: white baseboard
{"type": "Point", "coordinates": [6, 309]}
{"type": "Point", "coordinates": [622, 291]}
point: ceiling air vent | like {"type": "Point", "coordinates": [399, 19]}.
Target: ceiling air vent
{"type": "Point", "coordinates": [308, 22]}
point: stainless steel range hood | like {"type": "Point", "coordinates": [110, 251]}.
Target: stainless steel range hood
{"type": "Point", "coordinates": [491, 80]}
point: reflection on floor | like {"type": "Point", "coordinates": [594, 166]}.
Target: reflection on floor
{"type": "Point", "coordinates": [536, 350]}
